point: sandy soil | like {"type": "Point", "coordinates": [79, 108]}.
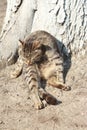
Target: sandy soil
{"type": "Point", "coordinates": [17, 112]}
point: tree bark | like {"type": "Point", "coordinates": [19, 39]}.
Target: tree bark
{"type": "Point", "coordinates": [65, 19]}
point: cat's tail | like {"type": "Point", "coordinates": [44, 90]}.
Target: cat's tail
{"type": "Point", "coordinates": [48, 97]}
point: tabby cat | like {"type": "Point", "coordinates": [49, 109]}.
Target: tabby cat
{"type": "Point", "coordinates": [40, 60]}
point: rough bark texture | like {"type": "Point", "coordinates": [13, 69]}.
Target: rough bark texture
{"type": "Point", "coordinates": [17, 24]}
{"type": "Point", "coordinates": [65, 19]}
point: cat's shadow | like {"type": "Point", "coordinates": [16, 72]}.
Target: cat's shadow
{"type": "Point", "coordinates": [66, 58]}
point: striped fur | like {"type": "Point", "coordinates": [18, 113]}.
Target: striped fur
{"type": "Point", "coordinates": [41, 59]}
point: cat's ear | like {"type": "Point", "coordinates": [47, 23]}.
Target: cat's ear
{"type": "Point", "coordinates": [22, 42]}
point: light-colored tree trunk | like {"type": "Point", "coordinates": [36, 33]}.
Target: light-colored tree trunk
{"type": "Point", "coordinates": [65, 19]}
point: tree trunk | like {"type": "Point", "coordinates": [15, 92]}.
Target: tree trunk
{"type": "Point", "coordinates": [65, 19]}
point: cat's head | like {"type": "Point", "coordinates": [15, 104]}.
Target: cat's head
{"type": "Point", "coordinates": [33, 51]}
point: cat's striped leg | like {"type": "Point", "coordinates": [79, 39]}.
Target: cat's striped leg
{"type": "Point", "coordinates": [32, 80]}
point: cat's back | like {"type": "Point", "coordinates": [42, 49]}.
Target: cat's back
{"type": "Point", "coordinates": [42, 37]}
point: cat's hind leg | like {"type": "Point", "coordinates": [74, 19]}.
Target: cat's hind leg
{"type": "Point", "coordinates": [53, 81]}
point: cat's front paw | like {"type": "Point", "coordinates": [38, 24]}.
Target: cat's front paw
{"type": "Point", "coordinates": [13, 75]}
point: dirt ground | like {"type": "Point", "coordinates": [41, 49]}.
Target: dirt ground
{"type": "Point", "coordinates": [17, 112]}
